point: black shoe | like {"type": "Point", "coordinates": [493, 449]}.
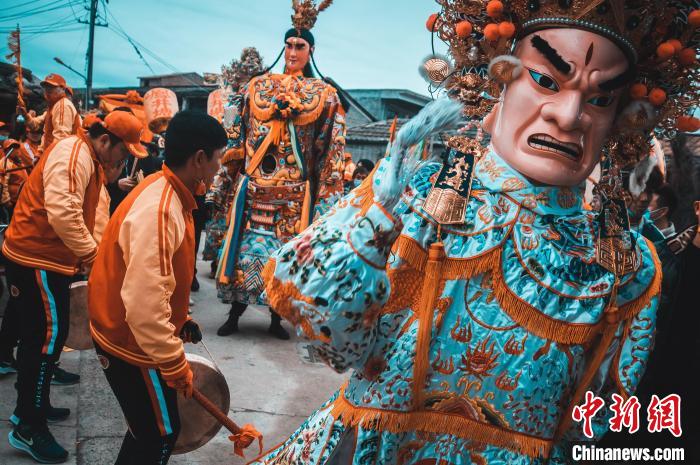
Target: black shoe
{"type": "Point", "coordinates": [8, 367]}
{"type": "Point", "coordinates": [39, 443]}
{"type": "Point", "coordinates": [278, 331]}
{"type": "Point", "coordinates": [230, 327]}
{"type": "Point", "coordinates": [63, 378]}
{"type": "Point", "coordinates": [195, 284]}
{"type": "Point", "coordinates": [54, 415]}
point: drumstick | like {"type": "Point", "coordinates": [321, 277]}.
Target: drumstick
{"type": "Point", "coordinates": [215, 412]}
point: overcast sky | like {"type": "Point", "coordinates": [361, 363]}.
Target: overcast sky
{"type": "Point", "coordinates": [360, 43]}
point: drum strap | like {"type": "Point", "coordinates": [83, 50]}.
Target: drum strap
{"type": "Point", "coordinates": [211, 357]}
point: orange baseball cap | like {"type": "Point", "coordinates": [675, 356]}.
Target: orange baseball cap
{"type": "Point", "coordinates": [56, 80]}
{"type": "Point", "coordinates": [8, 143]}
{"type": "Point", "coordinates": [128, 128]}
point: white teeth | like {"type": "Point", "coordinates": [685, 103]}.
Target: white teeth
{"type": "Point", "coordinates": [532, 141]}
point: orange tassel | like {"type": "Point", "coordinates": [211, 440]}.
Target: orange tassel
{"type": "Point", "coordinates": [306, 208]}
{"type": "Point", "coordinates": [431, 286]}
{"type": "Point", "coordinates": [245, 438]}
{"type": "Point", "coordinates": [612, 320]}
{"type": "Point", "coordinates": [428, 421]}
{"type": "Point", "coordinates": [281, 296]}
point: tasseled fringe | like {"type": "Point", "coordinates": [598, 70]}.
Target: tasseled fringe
{"type": "Point", "coordinates": [438, 423]}
{"type": "Point", "coordinates": [428, 302]}
{"type": "Point", "coordinates": [280, 296]}
{"type": "Point", "coordinates": [584, 383]}
{"type": "Point", "coordinates": [632, 308]}
{"type": "Point", "coordinates": [537, 322]}
{"type": "Point", "coordinates": [364, 195]}
{"type": "Point", "coordinates": [416, 256]}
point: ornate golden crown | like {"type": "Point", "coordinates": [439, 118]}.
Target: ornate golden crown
{"type": "Point", "coordinates": [660, 39]}
{"type": "Point", "coordinates": [306, 13]}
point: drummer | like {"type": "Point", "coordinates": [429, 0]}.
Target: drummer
{"type": "Point", "coordinates": [140, 285]}
{"type": "Point", "coordinates": [53, 235]}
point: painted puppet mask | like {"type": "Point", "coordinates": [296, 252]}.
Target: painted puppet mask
{"type": "Point", "coordinates": [553, 119]}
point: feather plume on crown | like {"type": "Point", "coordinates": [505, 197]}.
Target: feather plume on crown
{"type": "Point", "coordinates": [306, 13]}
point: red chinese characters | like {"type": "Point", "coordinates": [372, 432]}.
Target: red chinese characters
{"type": "Point", "coordinates": [665, 414]}
{"type": "Point", "coordinates": [625, 413]}
{"type": "Point", "coordinates": [587, 411]}
{"type": "Point", "coordinates": [662, 414]}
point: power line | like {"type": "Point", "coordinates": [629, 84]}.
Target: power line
{"type": "Point", "coordinates": [120, 31]}
{"type": "Point", "coordinates": [53, 6]}
{"type": "Point", "coordinates": [65, 21]}
{"type": "Point", "coordinates": [20, 5]}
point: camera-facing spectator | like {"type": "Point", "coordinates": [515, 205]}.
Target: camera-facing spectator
{"type": "Point", "coordinates": [662, 206]}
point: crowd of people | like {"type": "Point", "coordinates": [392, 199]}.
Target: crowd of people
{"type": "Point", "coordinates": [171, 189]}
{"type": "Point", "coordinates": [476, 299]}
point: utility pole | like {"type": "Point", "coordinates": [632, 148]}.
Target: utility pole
{"type": "Point", "coordinates": [90, 50]}
{"type": "Point", "coordinates": [91, 22]}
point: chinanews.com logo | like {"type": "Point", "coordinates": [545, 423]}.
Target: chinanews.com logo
{"type": "Point", "coordinates": [662, 414]}
{"type": "Point", "coordinates": [593, 454]}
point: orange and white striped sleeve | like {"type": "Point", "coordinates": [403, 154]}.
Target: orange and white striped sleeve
{"type": "Point", "coordinates": [34, 123]}
{"type": "Point", "coordinates": [150, 234]}
{"type": "Point", "coordinates": [102, 215]}
{"type": "Point", "coordinates": [63, 119]}
{"type": "Point", "coordinates": [66, 176]}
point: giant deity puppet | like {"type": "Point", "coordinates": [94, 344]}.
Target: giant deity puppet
{"type": "Point", "coordinates": [289, 130]}
{"type": "Point", "coordinates": [473, 298]}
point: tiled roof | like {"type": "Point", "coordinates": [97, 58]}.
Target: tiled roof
{"type": "Point", "coordinates": [377, 132]}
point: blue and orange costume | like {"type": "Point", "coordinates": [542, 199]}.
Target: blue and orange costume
{"type": "Point", "coordinates": [469, 343]}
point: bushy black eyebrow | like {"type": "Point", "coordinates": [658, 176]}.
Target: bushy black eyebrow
{"type": "Point", "coordinates": [619, 81]}
{"type": "Point", "coordinates": [550, 54]}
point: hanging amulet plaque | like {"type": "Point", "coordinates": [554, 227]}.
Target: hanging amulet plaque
{"type": "Point", "coordinates": [615, 249]}
{"type": "Point", "coordinates": [448, 198]}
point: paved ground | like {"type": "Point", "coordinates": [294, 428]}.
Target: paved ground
{"type": "Point", "coordinates": [272, 385]}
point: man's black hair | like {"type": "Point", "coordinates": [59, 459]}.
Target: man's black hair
{"type": "Point", "coordinates": [360, 169]}
{"type": "Point", "coordinates": [97, 130]}
{"type": "Point", "coordinates": [655, 180]}
{"type": "Point", "coordinates": [190, 131]}
{"type": "Point", "coordinates": [308, 71]}
{"type": "Point", "coordinates": [667, 198]}
{"type": "Point", "coordinates": [126, 109]}
{"type": "Point", "coordinates": [367, 164]}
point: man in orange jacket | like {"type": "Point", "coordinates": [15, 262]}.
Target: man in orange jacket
{"type": "Point", "coordinates": [56, 225]}
{"type": "Point", "coordinates": [61, 119]}
{"type": "Point", "coordinates": [140, 286]}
